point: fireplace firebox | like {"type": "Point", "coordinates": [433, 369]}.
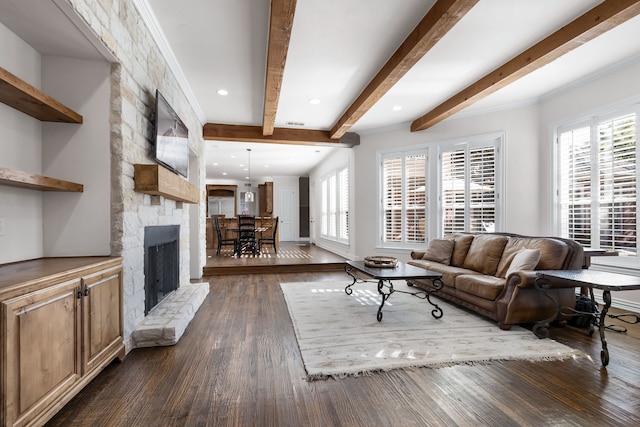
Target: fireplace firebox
{"type": "Point", "coordinates": [161, 263]}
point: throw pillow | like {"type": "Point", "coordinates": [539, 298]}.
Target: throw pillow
{"type": "Point", "coordinates": [525, 259]}
{"type": "Point", "coordinates": [439, 250]}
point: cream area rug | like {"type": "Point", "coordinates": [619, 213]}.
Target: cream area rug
{"type": "Point", "coordinates": [338, 334]}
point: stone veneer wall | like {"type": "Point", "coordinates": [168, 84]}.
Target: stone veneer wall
{"type": "Point", "coordinates": [139, 70]}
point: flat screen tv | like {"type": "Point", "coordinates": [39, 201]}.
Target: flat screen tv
{"type": "Point", "coordinates": [171, 141]}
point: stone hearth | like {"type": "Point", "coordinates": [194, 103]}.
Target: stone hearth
{"type": "Point", "coordinates": [166, 323]}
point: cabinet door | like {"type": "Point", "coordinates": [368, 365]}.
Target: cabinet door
{"type": "Point", "coordinates": [102, 317]}
{"type": "Point", "coordinates": [42, 352]}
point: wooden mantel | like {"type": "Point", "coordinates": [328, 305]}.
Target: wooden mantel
{"type": "Point", "coordinates": [160, 181]}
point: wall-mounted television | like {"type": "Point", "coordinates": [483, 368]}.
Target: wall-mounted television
{"type": "Point", "coordinates": [171, 139]}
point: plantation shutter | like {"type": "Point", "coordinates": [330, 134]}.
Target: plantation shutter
{"type": "Point", "coordinates": [617, 204]}
{"type": "Point", "coordinates": [453, 191]}
{"type": "Point", "coordinates": [482, 188]}
{"type": "Point", "coordinates": [404, 198]}
{"type": "Point", "coordinates": [415, 206]}
{"type": "Point", "coordinates": [597, 185]}
{"type": "Point", "coordinates": [332, 205]}
{"type": "Point", "coordinates": [468, 188]}
{"type": "Point", "coordinates": [325, 205]}
{"type": "Point", "coordinates": [392, 199]}
{"type": "Point", "coordinates": [574, 190]}
{"type": "Point", "coordinates": [343, 219]}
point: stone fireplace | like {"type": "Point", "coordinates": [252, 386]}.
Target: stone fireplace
{"type": "Point", "coordinates": [161, 263]}
{"type": "Point", "coordinates": [169, 304]}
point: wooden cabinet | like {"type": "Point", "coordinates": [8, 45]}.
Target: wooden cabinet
{"type": "Point", "coordinates": [266, 199]}
{"type": "Point", "coordinates": [61, 324]}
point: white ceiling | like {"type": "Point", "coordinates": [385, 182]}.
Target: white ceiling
{"type": "Point", "coordinates": [336, 47]}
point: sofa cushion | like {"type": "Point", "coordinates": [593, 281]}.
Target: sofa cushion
{"type": "Point", "coordinates": [449, 272]}
{"type": "Point", "coordinates": [461, 245]}
{"type": "Point", "coordinates": [525, 259]}
{"type": "Point", "coordinates": [485, 253]}
{"type": "Point", "coordinates": [552, 252]}
{"type": "Point", "coordinates": [439, 250]}
{"type": "Point", "coordinates": [486, 287]}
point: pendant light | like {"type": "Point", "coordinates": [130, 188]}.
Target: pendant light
{"type": "Point", "coordinates": [248, 196]}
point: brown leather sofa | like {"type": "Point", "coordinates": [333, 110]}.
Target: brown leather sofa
{"type": "Point", "coordinates": [476, 273]}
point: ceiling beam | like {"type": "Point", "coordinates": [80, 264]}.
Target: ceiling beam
{"type": "Point", "coordinates": [439, 20]}
{"type": "Point", "coordinates": [593, 23]}
{"type": "Point", "coordinates": [280, 24]}
{"type": "Point", "coordinates": [223, 132]}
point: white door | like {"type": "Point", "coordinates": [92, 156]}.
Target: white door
{"type": "Point", "coordinates": [288, 207]}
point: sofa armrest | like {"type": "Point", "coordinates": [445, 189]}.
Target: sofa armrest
{"type": "Point", "coordinates": [417, 254]}
{"type": "Point", "coordinates": [517, 279]}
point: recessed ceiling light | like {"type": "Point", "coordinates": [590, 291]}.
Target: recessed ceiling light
{"type": "Point", "coordinates": [314, 101]}
{"type": "Point", "coordinates": [222, 92]}
{"type": "Point", "coordinates": [215, 164]}
{"type": "Point", "coordinates": [397, 108]}
{"type": "Point", "coordinates": [224, 173]}
{"type": "Point", "coordinates": [266, 166]}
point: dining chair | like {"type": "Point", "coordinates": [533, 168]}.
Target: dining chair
{"type": "Point", "coordinates": [247, 235]}
{"type": "Point", "coordinates": [223, 241]}
{"type": "Point", "coordinates": [272, 239]}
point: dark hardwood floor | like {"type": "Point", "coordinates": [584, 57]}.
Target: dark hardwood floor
{"type": "Point", "coordinates": [238, 364]}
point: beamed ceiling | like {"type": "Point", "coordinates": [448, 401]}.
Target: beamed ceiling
{"type": "Point", "coordinates": [367, 48]}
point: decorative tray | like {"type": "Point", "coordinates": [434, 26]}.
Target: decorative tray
{"type": "Point", "coordinates": [381, 261]}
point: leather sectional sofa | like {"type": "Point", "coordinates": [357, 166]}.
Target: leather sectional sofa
{"type": "Point", "coordinates": [493, 273]}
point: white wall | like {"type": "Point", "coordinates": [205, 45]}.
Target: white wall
{"type": "Point", "coordinates": [78, 223]}
{"type": "Point", "coordinates": [20, 149]}
{"type": "Point", "coordinates": [580, 102]}
{"type": "Point", "coordinates": [520, 160]}
{"type": "Point", "coordinates": [339, 158]}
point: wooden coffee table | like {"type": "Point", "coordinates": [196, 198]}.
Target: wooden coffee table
{"type": "Point", "coordinates": [384, 277]}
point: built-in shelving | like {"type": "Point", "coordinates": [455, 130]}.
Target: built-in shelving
{"type": "Point", "coordinates": [37, 182]}
{"type": "Point", "coordinates": [30, 100]}
{"type": "Point", "coordinates": [159, 181]}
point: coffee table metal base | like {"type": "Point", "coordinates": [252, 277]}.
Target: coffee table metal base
{"type": "Point", "coordinates": [607, 282]}
{"type": "Point", "coordinates": [385, 289]}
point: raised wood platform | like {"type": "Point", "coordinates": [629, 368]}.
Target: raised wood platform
{"type": "Point", "coordinates": [291, 257]}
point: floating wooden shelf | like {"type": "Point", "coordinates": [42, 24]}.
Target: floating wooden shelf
{"type": "Point", "coordinates": [159, 181]}
{"type": "Point", "coordinates": [37, 182]}
{"type": "Point", "coordinates": [23, 97]}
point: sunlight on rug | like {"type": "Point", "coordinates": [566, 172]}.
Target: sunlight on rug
{"type": "Point", "coordinates": [338, 335]}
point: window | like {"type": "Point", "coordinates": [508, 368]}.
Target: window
{"type": "Point", "coordinates": [597, 183]}
{"type": "Point", "coordinates": [404, 198]}
{"type": "Point", "coordinates": [335, 206]}
{"type": "Point", "coordinates": [424, 196]}
{"type": "Point", "coordinates": [468, 187]}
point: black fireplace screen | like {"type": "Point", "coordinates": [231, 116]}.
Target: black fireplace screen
{"type": "Point", "coordinates": [161, 263]}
